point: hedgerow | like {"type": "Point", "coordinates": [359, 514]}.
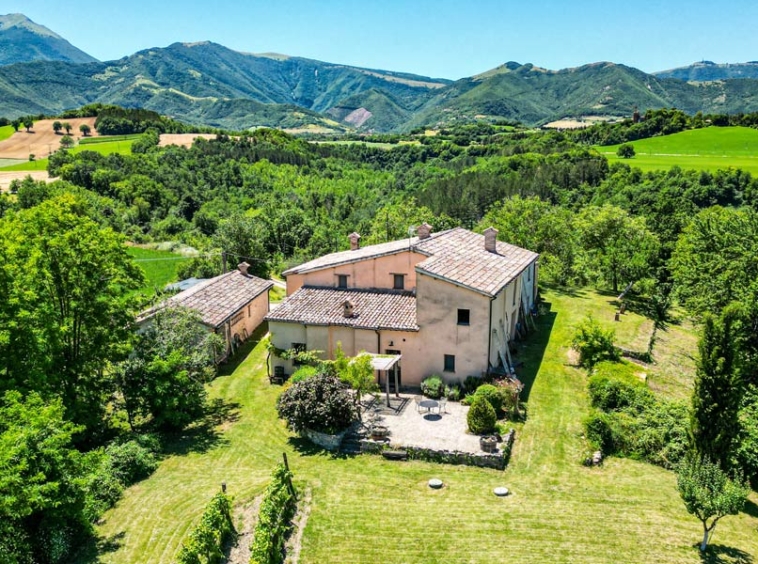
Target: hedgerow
{"type": "Point", "coordinates": [206, 541]}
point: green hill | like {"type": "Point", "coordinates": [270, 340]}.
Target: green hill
{"type": "Point", "coordinates": [22, 40]}
{"type": "Point", "coordinates": [705, 71]}
{"type": "Point", "coordinates": [711, 148]}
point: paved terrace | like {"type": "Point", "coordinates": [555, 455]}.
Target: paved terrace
{"type": "Point", "coordinates": [410, 428]}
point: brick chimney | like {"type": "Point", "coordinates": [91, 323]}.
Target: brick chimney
{"type": "Point", "coordinates": [490, 239]}
{"type": "Point", "coordinates": [242, 267]}
{"type": "Point", "coordinates": [355, 241]}
{"type": "Point", "coordinates": [424, 230]}
{"type": "Point", "coordinates": [347, 309]}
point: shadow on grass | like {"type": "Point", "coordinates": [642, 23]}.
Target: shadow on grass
{"type": "Point", "coordinates": [94, 548]}
{"type": "Point", "coordinates": [205, 434]}
{"type": "Point", "coordinates": [720, 554]}
{"type": "Point", "coordinates": [534, 351]}
{"type": "Point", "coordinates": [304, 447]}
{"type": "Point", "coordinates": [230, 365]}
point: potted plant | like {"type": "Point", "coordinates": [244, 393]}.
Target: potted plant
{"type": "Point", "coordinates": [488, 443]}
{"type": "Point", "coordinates": [379, 432]}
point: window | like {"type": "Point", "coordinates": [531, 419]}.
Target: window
{"type": "Point", "coordinates": [342, 281]}
{"type": "Point", "coordinates": [529, 273]}
{"type": "Point", "coordinates": [298, 348]}
{"type": "Point", "coordinates": [515, 286]}
{"type": "Point", "coordinates": [248, 310]}
{"type": "Point", "coordinates": [398, 281]}
{"type": "Point", "coordinates": [464, 316]}
{"type": "Point", "coordinates": [449, 363]}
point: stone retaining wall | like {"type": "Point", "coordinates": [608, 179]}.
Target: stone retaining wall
{"type": "Point", "coordinates": [329, 442]}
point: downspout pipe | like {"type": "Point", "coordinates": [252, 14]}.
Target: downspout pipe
{"type": "Point", "coordinates": [489, 336]}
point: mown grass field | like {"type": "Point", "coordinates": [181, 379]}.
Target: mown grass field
{"type": "Point", "coordinates": [160, 267]}
{"type": "Point", "coordinates": [368, 510]}
{"type": "Point", "coordinates": [711, 148]}
{"type": "Point", "coordinates": [99, 145]}
{"type": "Point", "coordinates": [6, 131]}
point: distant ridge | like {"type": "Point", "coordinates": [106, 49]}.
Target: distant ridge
{"type": "Point", "coordinates": [23, 41]}
{"type": "Point", "coordinates": [705, 71]}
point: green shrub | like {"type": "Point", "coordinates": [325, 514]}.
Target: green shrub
{"type": "Point", "coordinates": [746, 451]}
{"type": "Point", "coordinates": [131, 462]}
{"type": "Point", "coordinates": [593, 343]}
{"type": "Point", "coordinates": [321, 403]}
{"type": "Point", "coordinates": [274, 519]}
{"type": "Point", "coordinates": [481, 417]}
{"type": "Point", "coordinates": [205, 543]}
{"type": "Point", "coordinates": [303, 373]}
{"type": "Point", "coordinates": [471, 383]}
{"type": "Point", "coordinates": [453, 393]}
{"type": "Point", "coordinates": [432, 387]}
{"type": "Point", "coordinates": [493, 395]}
{"type": "Point", "coordinates": [615, 385]}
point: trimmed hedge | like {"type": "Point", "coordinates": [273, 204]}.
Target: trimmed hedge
{"type": "Point", "coordinates": [481, 417]}
{"type": "Point", "coordinates": [433, 387]}
{"type": "Point", "coordinates": [274, 519]}
{"type": "Point", "coordinates": [206, 541]}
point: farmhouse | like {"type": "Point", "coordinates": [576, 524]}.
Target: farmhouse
{"type": "Point", "coordinates": [232, 305]}
{"type": "Point", "coordinates": [449, 302]}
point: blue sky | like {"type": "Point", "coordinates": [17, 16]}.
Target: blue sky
{"type": "Point", "coordinates": [439, 38]}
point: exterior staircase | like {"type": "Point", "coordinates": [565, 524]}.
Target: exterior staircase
{"type": "Point", "coordinates": [351, 443]}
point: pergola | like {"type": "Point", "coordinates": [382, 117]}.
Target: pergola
{"type": "Point", "coordinates": [385, 363]}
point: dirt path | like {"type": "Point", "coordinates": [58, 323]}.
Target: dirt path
{"type": "Point", "coordinates": [7, 177]}
{"type": "Point", "coordinates": [245, 519]}
{"type": "Point", "coordinates": [41, 140]}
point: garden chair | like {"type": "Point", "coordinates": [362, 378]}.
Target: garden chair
{"type": "Point", "coordinates": [442, 407]}
{"type": "Point", "coordinates": [417, 401]}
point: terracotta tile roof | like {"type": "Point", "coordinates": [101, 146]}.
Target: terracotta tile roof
{"type": "Point", "coordinates": [456, 255]}
{"type": "Point", "coordinates": [372, 309]}
{"type": "Point", "coordinates": [346, 257]}
{"type": "Point", "coordinates": [217, 299]}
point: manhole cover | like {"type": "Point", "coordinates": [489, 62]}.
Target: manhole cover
{"type": "Point", "coordinates": [501, 492]}
{"type": "Point", "coordinates": [435, 483]}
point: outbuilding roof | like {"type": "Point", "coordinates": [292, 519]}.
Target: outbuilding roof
{"type": "Point", "coordinates": [371, 309]}
{"type": "Point", "coordinates": [217, 299]}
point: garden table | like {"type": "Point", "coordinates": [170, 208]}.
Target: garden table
{"type": "Point", "coordinates": [429, 404]}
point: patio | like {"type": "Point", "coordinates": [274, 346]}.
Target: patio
{"type": "Point", "coordinates": [426, 429]}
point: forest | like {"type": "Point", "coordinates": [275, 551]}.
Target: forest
{"type": "Point", "coordinates": [91, 403]}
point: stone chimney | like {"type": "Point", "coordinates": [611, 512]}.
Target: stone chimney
{"type": "Point", "coordinates": [490, 239]}
{"type": "Point", "coordinates": [242, 267]}
{"type": "Point", "coordinates": [347, 309]}
{"type": "Point", "coordinates": [424, 230]}
{"type": "Point", "coordinates": [355, 241]}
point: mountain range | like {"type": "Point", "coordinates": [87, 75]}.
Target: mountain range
{"type": "Point", "coordinates": [206, 83]}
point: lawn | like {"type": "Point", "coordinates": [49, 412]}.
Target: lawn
{"type": "Point", "coordinates": [711, 148]}
{"type": "Point", "coordinates": [366, 509]}
{"type": "Point", "coordinates": [160, 266]}
{"type": "Point", "coordinates": [101, 145]}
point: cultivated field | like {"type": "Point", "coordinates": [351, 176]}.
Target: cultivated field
{"type": "Point", "coordinates": [160, 267]}
{"type": "Point", "coordinates": [711, 149]}
{"type": "Point", "coordinates": [367, 510]}
{"type": "Point", "coordinates": [7, 177]}
{"type": "Point", "coordinates": [183, 139]}
{"type": "Point", "coordinates": [41, 140]}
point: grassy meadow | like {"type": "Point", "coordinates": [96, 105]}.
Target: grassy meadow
{"type": "Point", "coordinates": [365, 509]}
{"type": "Point", "coordinates": [711, 148]}
{"type": "Point", "coordinates": [102, 145]}
{"type": "Point", "coordinates": [160, 266]}
{"type": "Point", "coordinates": [6, 131]}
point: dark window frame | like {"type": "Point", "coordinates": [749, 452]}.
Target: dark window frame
{"type": "Point", "coordinates": [401, 278]}
{"type": "Point", "coordinates": [449, 363]}
{"type": "Point", "coordinates": [464, 316]}
{"type": "Point", "coordinates": [340, 278]}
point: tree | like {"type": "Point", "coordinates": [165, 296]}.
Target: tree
{"type": "Point", "coordinates": [393, 221]}
{"type": "Point", "coordinates": [718, 390]}
{"type": "Point", "coordinates": [593, 343]}
{"type": "Point", "coordinates": [67, 141]}
{"type": "Point", "coordinates": [57, 126]}
{"type": "Point", "coordinates": [41, 482]}
{"type": "Point", "coordinates": [625, 151]}
{"type": "Point", "coordinates": [359, 375]}
{"type": "Point", "coordinates": [173, 358]}
{"type": "Point", "coordinates": [28, 124]}
{"type": "Point", "coordinates": [616, 246]}
{"type": "Point", "coordinates": [708, 493]}
{"type": "Point", "coordinates": [65, 305]}
{"type": "Point", "coordinates": [85, 129]}
{"type": "Point", "coordinates": [715, 261]}
{"type": "Point", "coordinates": [321, 403]}
{"type": "Point", "coordinates": [67, 126]}
{"type": "Point", "coordinates": [16, 124]}
{"type": "Point", "coordinates": [237, 236]}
